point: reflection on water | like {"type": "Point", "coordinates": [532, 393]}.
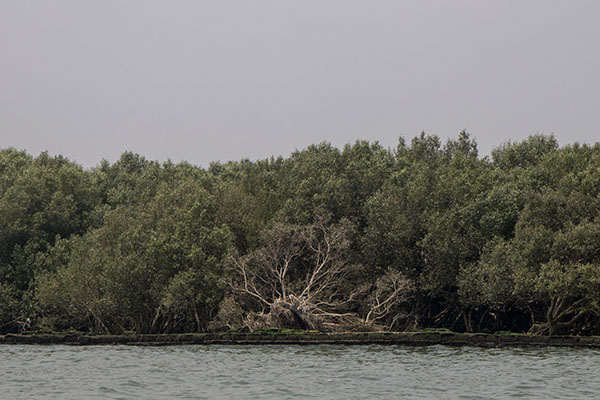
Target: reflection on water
{"type": "Point", "coordinates": [288, 372]}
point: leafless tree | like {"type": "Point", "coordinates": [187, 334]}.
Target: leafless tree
{"type": "Point", "coordinates": [390, 291]}
{"type": "Point", "coordinates": [300, 278]}
{"type": "Point", "coordinates": [299, 273]}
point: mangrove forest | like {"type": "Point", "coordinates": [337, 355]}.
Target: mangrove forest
{"type": "Point", "coordinates": [363, 238]}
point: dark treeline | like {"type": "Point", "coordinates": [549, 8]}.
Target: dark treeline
{"type": "Point", "coordinates": [423, 235]}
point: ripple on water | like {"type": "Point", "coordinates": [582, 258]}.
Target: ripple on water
{"type": "Point", "coordinates": [290, 372]}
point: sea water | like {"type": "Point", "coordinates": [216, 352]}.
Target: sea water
{"type": "Point", "coordinates": [296, 372]}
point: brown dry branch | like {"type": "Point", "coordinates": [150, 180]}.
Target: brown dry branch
{"type": "Point", "coordinates": [301, 278]}
{"type": "Point", "coordinates": [298, 276]}
{"type": "Point", "coordinates": [391, 290]}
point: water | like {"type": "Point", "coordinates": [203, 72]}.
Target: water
{"type": "Point", "coordinates": [290, 372]}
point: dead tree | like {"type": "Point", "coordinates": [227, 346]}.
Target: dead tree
{"type": "Point", "coordinates": [389, 292]}
{"type": "Point", "coordinates": [301, 278]}
{"type": "Point", "coordinates": [298, 276]}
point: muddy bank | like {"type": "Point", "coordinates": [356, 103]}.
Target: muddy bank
{"type": "Point", "coordinates": [389, 338]}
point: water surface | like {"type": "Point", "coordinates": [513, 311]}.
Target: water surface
{"type": "Point", "coordinates": [296, 372]}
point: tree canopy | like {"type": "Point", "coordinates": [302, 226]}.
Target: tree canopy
{"type": "Point", "coordinates": [427, 234]}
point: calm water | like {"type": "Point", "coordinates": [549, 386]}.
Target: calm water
{"type": "Point", "coordinates": [290, 372]}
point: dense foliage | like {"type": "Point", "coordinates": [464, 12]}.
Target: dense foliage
{"type": "Point", "coordinates": [423, 235]}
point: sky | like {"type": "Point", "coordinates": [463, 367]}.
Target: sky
{"type": "Point", "coordinates": [222, 80]}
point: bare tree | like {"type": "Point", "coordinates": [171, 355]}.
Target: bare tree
{"type": "Point", "coordinates": [389, 292]}
{"type": "Point", "coordinates": [299, 275]}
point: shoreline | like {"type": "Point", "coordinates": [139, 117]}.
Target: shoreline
{"type": "Point", "coordinates": [309, 338]}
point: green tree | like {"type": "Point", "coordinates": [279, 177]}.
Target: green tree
{"type": "Point", "coordinates": [125, 274]}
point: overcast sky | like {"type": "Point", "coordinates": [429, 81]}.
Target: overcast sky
{"type": "Point", "coordinates": [221, 80]}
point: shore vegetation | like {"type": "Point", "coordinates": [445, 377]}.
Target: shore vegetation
{"type": "Point", "coordinates": [363, 238]}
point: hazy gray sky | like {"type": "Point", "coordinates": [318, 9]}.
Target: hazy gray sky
{"type": "Point", "coordinates": [219, 80]}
